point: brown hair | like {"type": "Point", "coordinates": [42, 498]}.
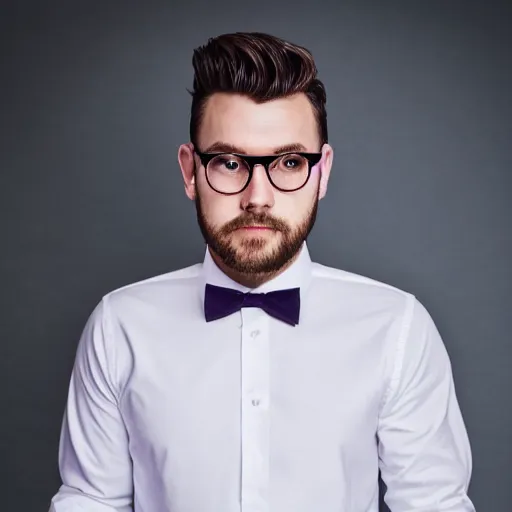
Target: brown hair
{"type": "Point", "coordinates": [258, 65]}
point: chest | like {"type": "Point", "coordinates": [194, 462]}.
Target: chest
{"type": "Point", "coordinates": [325, 379]}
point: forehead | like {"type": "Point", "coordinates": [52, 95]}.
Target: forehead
{"type": "Point", "coordinates": [258, 127]}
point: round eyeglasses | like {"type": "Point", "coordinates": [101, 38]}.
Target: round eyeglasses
{"type": "Point", "coordinates": [230, 173]}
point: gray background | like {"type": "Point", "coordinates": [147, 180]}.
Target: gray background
{"type": "Point", "coordinates": [94, 107]}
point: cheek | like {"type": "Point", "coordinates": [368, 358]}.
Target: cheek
{"type": "Point", "coordinates": [295, 207]}
{"type": "Point", "coordinates": [218, 209]}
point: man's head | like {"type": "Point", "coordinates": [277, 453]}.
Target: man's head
{"type": "Point", "coordinates": [254, 94]}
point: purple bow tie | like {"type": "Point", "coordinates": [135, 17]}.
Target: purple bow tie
{"type": "Point", "coordinates": [281, 304]}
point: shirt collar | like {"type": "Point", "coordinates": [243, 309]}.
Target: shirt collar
{"type": "Point", "coordinates": [297, 275]}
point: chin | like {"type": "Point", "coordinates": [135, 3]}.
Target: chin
{"type": "Point", "coordinates": [255, 244]}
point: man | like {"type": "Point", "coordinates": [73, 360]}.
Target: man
{"type": "Point", "coordinates": [259, 381]}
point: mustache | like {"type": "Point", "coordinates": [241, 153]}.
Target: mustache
{"type": "Point", "coordinates": [261, 219]}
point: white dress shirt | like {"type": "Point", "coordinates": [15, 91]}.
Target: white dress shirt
{"type": "Point", "coordinates": [169, 413]}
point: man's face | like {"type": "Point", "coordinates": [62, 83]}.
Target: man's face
{"type": "Point", "coordinates": [260, 229]}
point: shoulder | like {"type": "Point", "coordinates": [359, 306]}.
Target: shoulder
{"type": "Point", "coordinates": [347, 294]}
{"type": "Point", "coordinates": [369, 298]}
{"type": "Point", "coordinates": [339, 279]}
{"type": "Point", "coordinates": [169, 286]}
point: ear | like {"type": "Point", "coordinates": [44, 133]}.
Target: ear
{"type": "Point", "coordinates": [187, 164]}
{"type": "Point", "coordinates": [325, 169]}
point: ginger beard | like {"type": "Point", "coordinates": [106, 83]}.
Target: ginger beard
{"type": "Point", "coordinates": [249, 253]}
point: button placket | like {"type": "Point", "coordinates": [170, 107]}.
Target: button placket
{"type": "Point", "coordinates": [255, 421]}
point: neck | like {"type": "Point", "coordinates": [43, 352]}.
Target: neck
{"type": "Point", "coordinates": [251, 280]}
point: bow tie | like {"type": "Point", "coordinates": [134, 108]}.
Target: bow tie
{"type": "Point", "coordinates": [281, 304]}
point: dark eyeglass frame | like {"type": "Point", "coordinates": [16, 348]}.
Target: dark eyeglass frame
{"type": "Point", "coordinates": [265, 160]}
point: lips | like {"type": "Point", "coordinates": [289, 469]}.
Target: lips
{"type": "Point", "coordinates": [256, 228]}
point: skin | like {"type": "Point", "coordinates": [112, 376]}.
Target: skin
{"type": "Point", "coordinates": [255, 235]}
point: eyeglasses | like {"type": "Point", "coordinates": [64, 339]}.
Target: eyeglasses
{"type": "Point", "coordinates": [230, 173]}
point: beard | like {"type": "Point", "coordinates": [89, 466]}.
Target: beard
{"type": "Point", "coordinates": [250, 258]}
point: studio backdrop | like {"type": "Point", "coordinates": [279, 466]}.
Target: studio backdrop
{"type": "Point", "coordinates": [94, 105]}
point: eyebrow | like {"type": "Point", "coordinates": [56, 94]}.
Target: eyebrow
{"type": "Point", "coordinates": [224, 147]}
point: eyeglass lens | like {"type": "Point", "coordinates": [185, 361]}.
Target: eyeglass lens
{"type": "Point", "coordinates": [229, 173]}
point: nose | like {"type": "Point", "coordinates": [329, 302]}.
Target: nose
{"type": "Point", "coordinates": [259, 194]}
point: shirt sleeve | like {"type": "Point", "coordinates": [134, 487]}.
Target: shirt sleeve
{"type": "Point", "coordinates": [424, 450]}
{"type": "Point", "coordinates": [94, 461]}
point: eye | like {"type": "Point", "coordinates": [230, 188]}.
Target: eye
{"type": "Point", "coordinates": [231, 165]}
{"type": "Point", "coordinates": [291, 163]}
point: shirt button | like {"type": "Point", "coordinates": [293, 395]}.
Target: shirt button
{"type": "Point", "coordinates": [255, 333]}
{"type": "Point", "coordinates": [255, 402]}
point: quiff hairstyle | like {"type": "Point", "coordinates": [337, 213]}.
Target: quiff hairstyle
{"type": "Point", "coordinates": [260, 66]}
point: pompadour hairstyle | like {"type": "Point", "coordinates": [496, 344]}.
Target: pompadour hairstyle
{"type": "Point", "coordinates": [258, 65]}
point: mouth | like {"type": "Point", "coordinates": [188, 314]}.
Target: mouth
{"type": "Point", "coordinates": [255, 228]}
